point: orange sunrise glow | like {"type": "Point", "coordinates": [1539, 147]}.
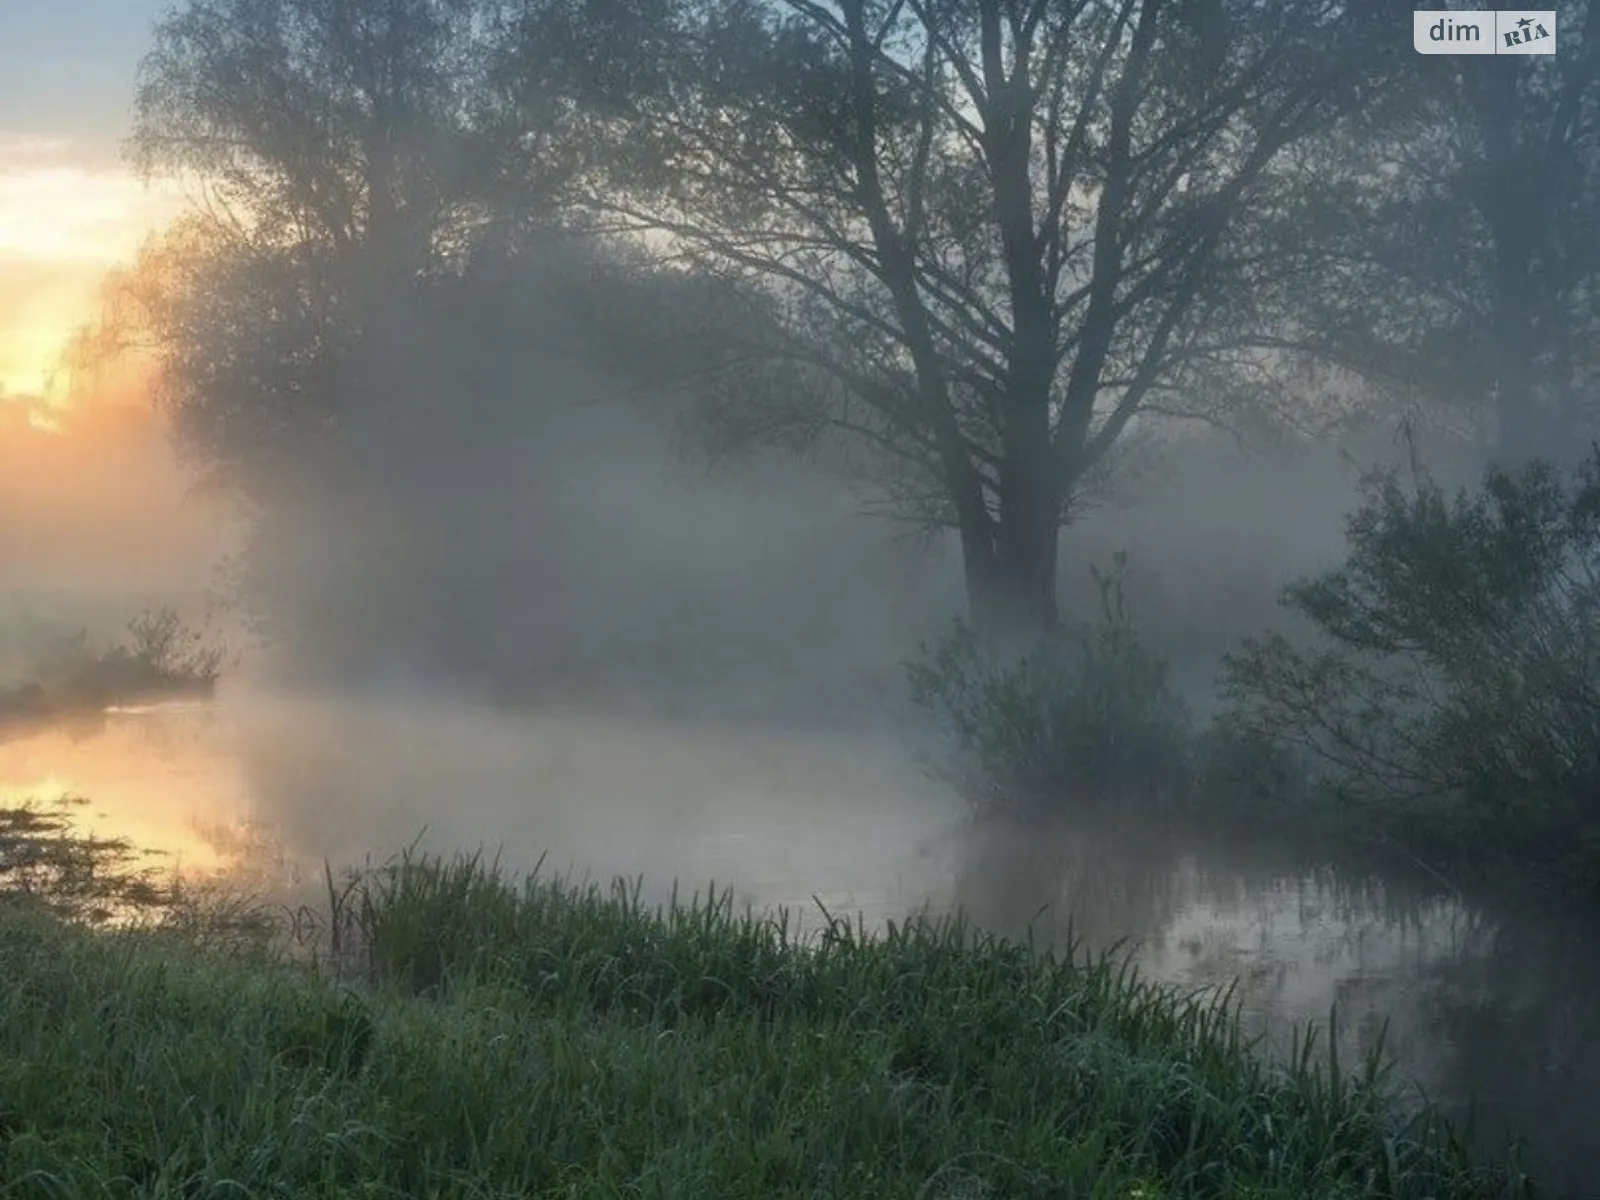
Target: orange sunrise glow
{"type": "Point", "coordinates": [89, 488]}
{"type": "Point", "coordinates": [65, 220]}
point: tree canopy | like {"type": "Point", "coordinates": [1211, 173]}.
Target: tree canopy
{"type": "Point", "coordinates": [979, 241]}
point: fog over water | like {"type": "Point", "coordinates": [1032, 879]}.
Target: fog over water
{"type": "Point", "coordinates": [754, 732]}
{"type": "Point", "coordinates": [559, 630]}
{"type": "Point", "coordinates": [268, 787]}
{"type": "Point", "coordinates": [575, 416]}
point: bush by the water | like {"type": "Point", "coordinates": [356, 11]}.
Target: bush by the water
{"type": "Point", "coordinates": [486, 1037]}
{"type": "Point", "coordinates": [44, 670]}
{"type": "Point", "coordinates": [1083, 714]}
{"type": "Point", "coordinates": [1455, 696]}
{"type": "Point", "coordinates": [1449, 707]}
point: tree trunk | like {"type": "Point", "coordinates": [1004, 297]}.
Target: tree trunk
{"type": "Point", "coordinates": [1518, 398]}
{"type": "Point", "coordinates": [1509, 202]}
{"type": "Point", "coordinates": [1011, 572]}
{"type": "Point", "coordinates": [1012, 598]}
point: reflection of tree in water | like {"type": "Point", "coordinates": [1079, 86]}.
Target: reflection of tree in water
{"type": "Point", "coordinates": [1468, 1002]}
{"type": "Point", "coordinates": [1131, 877]}
{"type": "Point", "coordinates": [1520, 1017]}
{"type": "Point", "coordinates": [1108, 881]}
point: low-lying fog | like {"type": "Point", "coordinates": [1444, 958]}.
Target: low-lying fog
{"type": "Point", "coordinates": [618, 661]}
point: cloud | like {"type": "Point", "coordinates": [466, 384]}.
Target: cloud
{"type": "Point", "coordinates": [22, 148]}
{"type": "Point", "coordinates": [54, 208]}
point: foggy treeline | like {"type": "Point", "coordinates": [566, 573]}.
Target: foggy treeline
{"type": "Point", "coordinates": [558, 343]}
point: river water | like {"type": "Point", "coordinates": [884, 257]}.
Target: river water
{"type": "Point", "coordinates": [1490, 1007]}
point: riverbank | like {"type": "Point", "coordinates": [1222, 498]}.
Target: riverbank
{"type": "Point", "coordinates": [32, 704]}
{"type": "Point", "coordinates": [57, 675]}
{"type": "Point", "coordinates": [457, 1034]}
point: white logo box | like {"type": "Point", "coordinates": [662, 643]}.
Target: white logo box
{"type": "Point", "coordinates": [1484, 31]}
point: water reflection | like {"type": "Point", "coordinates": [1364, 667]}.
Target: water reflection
{"type": "Point", "coordinates": [779, 817]}
{"type": "Point", "coordinates": [1492, 1015]}
{"type": "Point", "coordinates": [159, 776]}
{"type": "Point", "coordinates": [1498, 1005]}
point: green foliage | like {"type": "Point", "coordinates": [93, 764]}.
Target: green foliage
{"type": "Point", "coordinates": [61, 671]}
{"type": "Point", "coordinates": [1457, 692]}
{"type": "Point", "coordinates": [1414, 292]}
{"type": "Point", "coordinates": [1086, 713]}
{"type": "Point", "coordinates": [1242, 777]}
{"type": "Point", "coordinates": [535, 1038]}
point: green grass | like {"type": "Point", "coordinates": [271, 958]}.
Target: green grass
{"type": "Point", "coordinates": [461, 1033]}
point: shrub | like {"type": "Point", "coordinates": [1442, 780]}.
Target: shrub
{"type": "Point", "coordinates": [1086, 713]}
{"type": "Point", "coordinates": [61, 671]}
{"type": "Point", "coordinates": [1455, 688]}
{"type": "Point", "coordinates": [161, 651]}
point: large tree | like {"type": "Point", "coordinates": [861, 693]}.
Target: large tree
{"type": "Point", "coordinates": [342, 154]}
{"type": "Point", "coordinates": [995, 231]}
{"type": "Point", "coordinates": [1456, 232]}
{"type": "Point", "coordinates": [372, 329]}
{"type": "Point", "coordinates": [354, 162]}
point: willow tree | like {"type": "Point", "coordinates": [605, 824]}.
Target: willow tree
{"type": "Point", "coordinates": [345, 154]}
{"type": "Point", "coordinates": [362, 185]}
{"type": "Point", "coordinates": [996, 232]}
{"type": "Point", "coordinates": [332, 320]}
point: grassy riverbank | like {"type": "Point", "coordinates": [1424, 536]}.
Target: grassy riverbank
{"type": "Point", "coordinates": [465, 1035]}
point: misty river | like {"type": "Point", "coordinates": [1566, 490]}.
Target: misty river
{"type": "Point", "coordinates": [1477, 1003]}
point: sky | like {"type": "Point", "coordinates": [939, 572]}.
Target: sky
{"type": "Point", "coordinates": [70, 208]}
{"type": "Point", "coordinates": [90, 495]}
